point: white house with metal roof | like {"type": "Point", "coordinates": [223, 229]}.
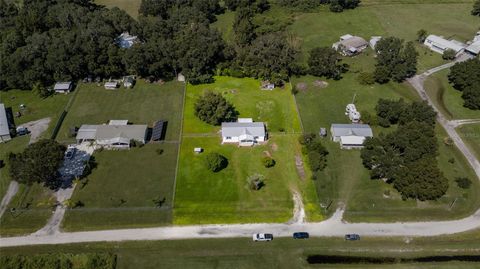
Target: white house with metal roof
{"type": "Point", "coordinates": [4, 125]}
{"type": "Point", "coordinates": [350, 45]}
{"type": "Point", "coordinates": [350, 135]}
{"type": "Point", "coordinates": [244, 133]}
{"type": "Point", "coordinates": [112, 135]}
{"type": "Point", "coordinates": [440, 44]}
{"type": "Point", "coordinates": [63, 87]}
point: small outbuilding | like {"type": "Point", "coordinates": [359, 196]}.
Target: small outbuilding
{"type": "Point", "coordinates": [128, 82]}
{"type": "Point", "coordinates": [63, 87]}
{"type": "Point", "coordinates": [350, 135]}
{"type": "Point", "coordinates": [181, 77]}
{"type": "Point", "coordinates": [198, 150]}
{"type": "Point", "coordinates": [126, 41]}
{"type": "Point", "coordinates": [373, 41]}
{"type": "Point", "coordinates": [111, 85]}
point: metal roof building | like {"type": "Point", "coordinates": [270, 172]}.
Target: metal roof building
{"type": "Point", "coordinates": [243, 133]}
{"type": "Point", "coordinates": [350, 135]}
{"type": "Point", "coordinates": [112, 136]}
{"type": "Point", "coordinates": [4, 125]}
{"type": "Point", "coordinates": [63, 87]}
{"type": "Point", "coordinates": [440, 44]}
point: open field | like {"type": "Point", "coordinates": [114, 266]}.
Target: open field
{"type": "Point", "coordinates": [121, 191]}
{"type": "Point", "coordinates": [143, 104]}
{"type": "Point", "coordinates": [130, 6]}
{"type": "Point", "coordinates": [447, 99]}
{"type": "Point", "coordinates": [280, 253]}
{"type": "Point", "coordinates": [471, 135]}
{"type": "Point", "coordinates": [33, 206]}
{"type": "Point", "coordinates": [224, 197]}
{"type": "Point", "coordinates": [276, 108]}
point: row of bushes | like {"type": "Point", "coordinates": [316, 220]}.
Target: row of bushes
{"type": "Point", "coordinates": [60, 261]}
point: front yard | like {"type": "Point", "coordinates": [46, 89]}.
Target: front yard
{"type": "Point", "coordinates": [130, 188]}
{"type": "Point", "coordinates": [224, 197]}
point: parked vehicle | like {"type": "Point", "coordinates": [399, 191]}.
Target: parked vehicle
{"type": "Point", "coordinates": [70, 152]}
{"type": "Point", "coordinates": [262, 237]}
{"type": "Point", "coordinates": [352, 237]}
{"type": "Point", "coordinates": [301, 235]}
{"type": "Point", "coordinates": [22, 131]}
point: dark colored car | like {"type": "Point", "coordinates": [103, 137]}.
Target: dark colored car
{"type": "Point", "coordinates": [352, 237]}
{"type": "Point", "coordinates": [301, 235]}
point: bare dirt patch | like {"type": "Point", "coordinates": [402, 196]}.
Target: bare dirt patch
{"type": "Point", "coordinates": [36, 128]}
{"type": "Point", "coordinates": [300, 167]}
{"type": "Point", "coordinates": [301, 86]}
{"type": "Point", "coordinates": [274, 147]}
{"type": "Point", "coordinates": [267, 153]}
{"type": "Point", "coordinates": [320, 84]}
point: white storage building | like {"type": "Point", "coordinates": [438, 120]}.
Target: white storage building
{"type": "Point", "coordinates": [350, 135]}
{"type": "Point", "coordinates": [243, 133]}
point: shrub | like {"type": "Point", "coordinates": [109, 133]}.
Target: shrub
{"type": "Point", "coordinates": [463, 182]}
{"type": "Point", "coordinates": [366, 78]}
{"type": "Point", "coordinates": [256, 182]}
{"type": "Point", "coordinates": [449, 54]}
{"type": "Point", "coordinates": [268, 162]}
{"type": "Point", "coordinates": [215, 162]}
{"type": "Point", "coordinates": [159, 151]}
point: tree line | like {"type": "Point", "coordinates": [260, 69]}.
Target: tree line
{"type": "Point", "coordinates": [465, 77]}
{"type": "Point", "coordinates": [334, 5]}
{"type": "Point", "coordinates": [406, 157]}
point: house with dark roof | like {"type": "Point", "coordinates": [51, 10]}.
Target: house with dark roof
{"type": "Point", "coordinates": [350, 135]}
{"type": "Point", "coordinates": [243, 133]}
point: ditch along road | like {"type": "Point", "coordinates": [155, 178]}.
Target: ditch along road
{"type": "Point", "coordinates": [334, 226]}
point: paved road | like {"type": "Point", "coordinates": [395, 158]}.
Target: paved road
{"type": "Point", "coordinates": [334, 226]}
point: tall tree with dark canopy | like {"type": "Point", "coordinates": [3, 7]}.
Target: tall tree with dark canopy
{"type": "Point", "coordinates": [243, 26]}
{"type": "Point", "coordinates": [465, 77]}
{"type": "Point", "coordinates": [476, 8]}
{"type": "Point", "coordinates": [395, 60]}
{"type": "Point", "coordinates": [39, 162]}
{"type": "Point", "coordinates": [325, 62]}
{"type": "Point", "coordinates": [214, 109]}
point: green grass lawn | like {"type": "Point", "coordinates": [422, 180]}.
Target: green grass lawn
{"type": "Point", "coordinates": [119, 193]}
{"type": "Point", "coordinates": [130, 6]}
{"type": "Point", "coordinates": [33, 206]}
{"type": "Point", "coordinates": [280, 253]}
{"type": "Point", "coordinates": [36, 107]}
{"type": "Point", "coordinates": [447, 99]}
{"type": "Point", "coordinates": [224, 197]}
{"type": "Point", "coordinates": [471, 135]}
{"type": "Point", "coordinates": [276, 108]}
{"type": "Point", "coordinates": [143, 104]}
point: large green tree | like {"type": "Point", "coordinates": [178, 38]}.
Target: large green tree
{"type": "Point", "coordinates": [465, 77]}
{"type": "Point", "coordinates": [325, 61]}
{"type": "Point", "coordinates": [395, 60]}
{"type": "Point", "coordinates": [214, 109]}
{"type": "Point", "coordinates": [39, 162]}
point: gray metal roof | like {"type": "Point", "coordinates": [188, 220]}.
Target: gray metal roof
{"type": "Point", "coordinates": [136, 132]}
{"type": "Point", "coordinates": [4, 129]}
{"type": "Point", "coordinates": [233, 129]}
{"type": "Point", "coordinates": [109, 132]}
{"type": "Point", "coordinates": [87, 132]}
{"type": "Point", "coordinates": [351, 129]}
{"type": "Point", "coordinates": [62, 86]}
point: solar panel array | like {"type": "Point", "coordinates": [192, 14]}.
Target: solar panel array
{"type": "Point", "coordinates": [157, 131]}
